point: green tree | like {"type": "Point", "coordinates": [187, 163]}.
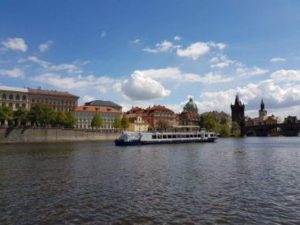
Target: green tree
{"type": "Point", "coordinates": [117, 123]}
{"type": "Point", "coordinates": [97, 121]}
{"type": "Point", "coordinates": [235, 129]}
{"type": "Point", "coordinates": [225, 130]}
{"type": "Point", "coordinates": [40, 115]}
{"type": "Point", "coordinates": [290, 120]}
{"type": "Point", "coordinates": [124, 122]}
{"type": "Point", "coordinates": [211, 123]}
{"type": "Point", "coordinates": [70, 120]}
{"type": "Point", "coordinates": [6, 114]}
{"type": "Point", "coordinates": [20, 116]}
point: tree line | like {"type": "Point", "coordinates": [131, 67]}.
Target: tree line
{"type": "Point", "coordinates": [219, 123]}
{"type": "Point", "coordinates": [118, 123]}
{"type": "Point", "coordinates": [40, 115]}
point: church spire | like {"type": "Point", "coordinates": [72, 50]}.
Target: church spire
{"type": "Point", "coordinates": [237, 100]}
{"type": "Point", "coordinates": [262, 104]}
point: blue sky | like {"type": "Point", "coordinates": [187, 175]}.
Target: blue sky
{"type": "Point", "coordinates": [157, 52]}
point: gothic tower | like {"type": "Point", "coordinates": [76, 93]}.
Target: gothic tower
{"type": "Point", "coordinates": [262, 112]}
{"type": "Point", "coordinates": [238, 113]}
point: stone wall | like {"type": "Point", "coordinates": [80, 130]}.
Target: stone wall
{"type": "Point", "coordinates": [21, 135]}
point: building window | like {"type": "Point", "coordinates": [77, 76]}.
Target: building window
{"type": "Point", "coordinates": [24, 97]}
{"type": "Point", "coordinates": [3, 96]}
{"type": "Point", "coordinates": [23, 105]}
{"type": "Point", "coordinates": [18, 97]}
{"type": "Point", "coordinates": [3, 104]}
{"type": "Point", "coordinates": [11, 97]}
{"type": "Point", "coordinates": [17, 105]}
{"type": "Point", "coordinates": [10, 105]}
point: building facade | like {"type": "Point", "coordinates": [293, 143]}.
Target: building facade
{"type": "Point", "coordinates": [157, 117]}
{"type": "Point", "coordinates": [14, 98]}
{"type": "Point", "coordinates": [189, 116]}
{"type": "Point", "coordinates": [138, 125]}
{"type": "Point", "coordinates": [136, 121]}
{"type": "Point", "coordinates": [58, 101]}
{"type": "Point", "coordinates": [238, 112]}
{"type": "Point", "coordinates": [108, 111]}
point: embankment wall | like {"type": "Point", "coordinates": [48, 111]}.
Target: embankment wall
{"type": "Point", "coordinates": [21, 135]}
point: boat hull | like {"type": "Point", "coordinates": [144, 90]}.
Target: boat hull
{"type": "Point", "coordinates": [154, 142]}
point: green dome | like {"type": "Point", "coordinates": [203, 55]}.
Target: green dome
{"type": "Point", "coordinates": [190, 106]}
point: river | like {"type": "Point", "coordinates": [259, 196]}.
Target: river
{"type": "Point", "coordinates": [232, 181]}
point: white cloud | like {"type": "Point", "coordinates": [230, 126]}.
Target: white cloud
{"type": "Point", "coordinates": [136, 41]}
{"type": "Point", "coordinates": [211, 78]}
{"type": "Point", "coordinates": [50, 67]}
{"type": "Point", "coordinates": [45, 46]}
{"type": "Point", "coordinates": [13, 73]}
{"type": "Point", "coordinates": [16, 44]}
{"type": "Point", "coordinates": [277, 59]}
{"type": "Point", "coordinates": [220, 45]}
{"type": "Point", "coordinates": [38, 61]}
{"type": "Point", "coordinates": [248, 72]}
{"type": "Point", "coordinates": [86, 98]}
{"type": "Point", "coordinates": [177, 38]}
{"type": "Point", "coordinates": [194, 51]}
{"type": "Point", "coordinates": [139, 87]}
{"type": "Point", "coordinates": [174, 74]}
{"type": "Point", "coordinates": [102, 84]}
{"type": "Point", "coordinates": [164, 46]}
{"type": "Point", "coordinates": [221, 62]}
{"type": "Point", "coordinates": [276, 96]}
{"type": "Point", "coordinates": [286, 75]}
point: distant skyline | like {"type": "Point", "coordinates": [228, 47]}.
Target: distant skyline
{"type": "Point", "coordinates": [157, 52]}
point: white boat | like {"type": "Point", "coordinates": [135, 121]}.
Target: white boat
{"type": "Point", "coordinates": [143, 138]}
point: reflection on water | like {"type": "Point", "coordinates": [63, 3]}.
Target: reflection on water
{"type": "Point", "coordinates": [233, 181]}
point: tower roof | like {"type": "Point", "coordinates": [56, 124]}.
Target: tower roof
{"type": "Point", "coordinates": [190, 105]}
{"type": "Point", "coordinates": [103, 103]}
{"type": "Point", "coordinates": [262, 104]}
{"type": "Point", "coordinates": [237, 101]}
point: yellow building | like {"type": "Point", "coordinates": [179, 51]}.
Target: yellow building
{"type": "Point", "coordinates": [138, 125]}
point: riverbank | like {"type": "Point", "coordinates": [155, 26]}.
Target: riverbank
{"type": "Point", "coordinates": [30, 135]}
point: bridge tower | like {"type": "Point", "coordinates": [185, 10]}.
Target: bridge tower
{"type": "Point", "coordinates": [262, 112]}
{"type": "Point", "coordinates": [238, 113]}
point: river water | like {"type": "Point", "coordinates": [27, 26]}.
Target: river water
{"type": "Point", "coordinates": [232, 181]}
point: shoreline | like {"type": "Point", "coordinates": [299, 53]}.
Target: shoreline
{"type": "Point", "coordinates": [54, 135]}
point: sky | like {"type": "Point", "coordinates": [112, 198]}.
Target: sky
{"type": "Point", "coordinates": [141, 53]}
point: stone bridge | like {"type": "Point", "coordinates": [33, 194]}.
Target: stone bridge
{"type": "Point", "coordinates": [285, 129]}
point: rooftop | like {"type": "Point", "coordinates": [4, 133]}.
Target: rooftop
{"type": "Point", "coordinates": [50, 92]}
{"type": "Point", "coordinates": [86, 108]}
{"type": "Point", "coordinates": [159, 108]}
{"type": "Point", "coordinates": [103, 103]}
{"type": "Point", "coordinates": [15, 89]}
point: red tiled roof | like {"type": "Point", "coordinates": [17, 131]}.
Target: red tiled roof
{"type": "Point", "coordinates": [159, 108]}
{"type": "Point", "coordinates": [85, 108]}
{"type": "Point", "coordinates": [135, 110]}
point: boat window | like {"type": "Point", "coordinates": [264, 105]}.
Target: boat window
{"type": "Point", "coordinates": [153, 136]}
{"type": "Point", "coordinates": [169, 136]}
{"type": "Point", "coordinates": [164, 136]}
{"type": "Point", "coordinates": [206, 135]}
{"type": "Point", "coordinates": [174, 136]}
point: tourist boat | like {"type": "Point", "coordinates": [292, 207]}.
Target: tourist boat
{"type": "Point", "coordinates": [144, 138]}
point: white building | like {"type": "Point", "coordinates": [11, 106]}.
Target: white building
{"type": "Point", "coordinates": [14, 98]}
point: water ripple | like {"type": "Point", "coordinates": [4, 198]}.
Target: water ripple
{"type": "Point", "coordinates": [234, 181]}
